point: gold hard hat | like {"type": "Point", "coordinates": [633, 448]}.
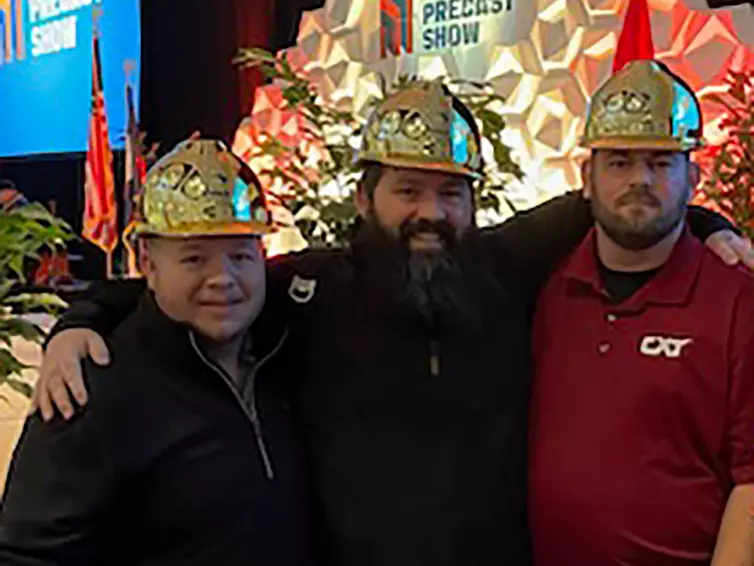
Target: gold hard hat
{"type": "Point", "coordinates": [644, 106]}
{"type": "Point", "coordinates": [202, 189]}
{"type": "Point", "coordinates": [418, 127]}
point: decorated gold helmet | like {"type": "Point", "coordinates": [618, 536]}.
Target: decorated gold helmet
{"type": "Point", "coordinates": [420, 126]}
{"type": "Point", "coordinates": [644, 106]}
{"type": "Point", "coordinates": [202, 189]}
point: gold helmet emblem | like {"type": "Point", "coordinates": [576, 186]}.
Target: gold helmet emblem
{"type": "Point", "coordinates": [202, 189]}
{"type": "Point", "coordinates": [418, 127]}
{"type": "Point", "coordinates": [644, 106]}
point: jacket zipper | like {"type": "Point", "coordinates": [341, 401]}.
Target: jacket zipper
{"type": "Point", "coordinates": [434, 358]}
{"type": "Point", "coordinates": [253, 414]}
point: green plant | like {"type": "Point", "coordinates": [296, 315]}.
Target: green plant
{"type": "Point", "coordinates": [729, 166]}
{"type": "Point", "coordinates": [24, 233]}
{"type": "Point", "coordinates": [316, 177]}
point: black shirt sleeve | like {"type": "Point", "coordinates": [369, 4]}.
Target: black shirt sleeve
{"type": "Point", "coordinates": [529, 246]}
{"type": "Point", "coordinates": [59, 486]}
{"type": "Point", "coordinates": [107, 305]}
{"type": "Point", "coordinates": [704, 222]}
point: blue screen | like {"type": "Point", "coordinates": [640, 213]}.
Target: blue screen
{"type": "Point", "coordinates": [46, 71]}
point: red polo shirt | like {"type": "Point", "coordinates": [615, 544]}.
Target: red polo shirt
{"type": "Point", "coordinates": [642, 413]}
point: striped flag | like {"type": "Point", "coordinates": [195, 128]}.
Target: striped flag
{"type": "Point", "coordinates": [100, 212]}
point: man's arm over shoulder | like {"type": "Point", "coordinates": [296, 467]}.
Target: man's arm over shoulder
{"type": "Point", "coordinates": [704, 222]}
{"type": "Point", "coordinates": [60, 483]}
{"type": "Point", "coordinates": [107, 304]}
{"type": "Point", "coordinates": [531, 244]}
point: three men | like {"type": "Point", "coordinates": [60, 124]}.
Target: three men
{"type": "Point", "coordinates": [410, 348]}
{"type": "Point", "coordinates": [186, 454]}
{"type": "Point", "coordinates": [642, 436]}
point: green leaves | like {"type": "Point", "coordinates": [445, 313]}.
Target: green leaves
{"type": "Point", "coordinates": [38, 301]}
{"type": "Point", "coordinates": [9, 366]}
{"type": "Point", "coordinates": [24, 233]}
{"type": "Point", "coordinates": [20, 387]}
{"type": "Point", "coordinates": [15, 326]}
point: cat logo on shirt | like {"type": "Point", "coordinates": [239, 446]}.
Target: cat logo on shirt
{"type": "Point", "coordinates": [658, 346]}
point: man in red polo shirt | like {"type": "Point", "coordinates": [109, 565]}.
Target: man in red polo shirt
{"type": "Point", "coordinates": [642, 418]}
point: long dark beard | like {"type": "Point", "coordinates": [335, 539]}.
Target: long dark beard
{"type": "Point", "coordinates": [432, 283]}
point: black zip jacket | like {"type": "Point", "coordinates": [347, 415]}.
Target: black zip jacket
{"type": "Point", "coordinates": [416, 433]}
{"type": "Point", "coordinates": [167, 465]}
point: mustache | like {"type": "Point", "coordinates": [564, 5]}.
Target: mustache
{"type": "Point", "coordinates": [440, 228]}
{"type": "Point", "coordinates": [639, 194]}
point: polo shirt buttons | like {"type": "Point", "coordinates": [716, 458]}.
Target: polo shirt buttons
{"type": "Point", "coordinates": [604, 348]}
{"type": "Point", "coordinates": [611, 318]}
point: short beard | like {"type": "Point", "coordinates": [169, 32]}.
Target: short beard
{"type": "Point", "coordinates": [638, 236]}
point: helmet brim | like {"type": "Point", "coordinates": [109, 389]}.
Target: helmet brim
{"type": "Point", "coordinates": [646, 143]}
{"type": "Point", "coordinates": [207, 229]}
{"type": "Point", "coordinates": [413, 163]}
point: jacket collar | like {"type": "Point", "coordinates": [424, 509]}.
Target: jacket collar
{"type": "Point", "coordinates": [673, 284]}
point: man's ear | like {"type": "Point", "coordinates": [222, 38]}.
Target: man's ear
{"type": "Point", "coordinates": [146, 261]}
{"type": "Point", "coordinates": [362, 200]}
{"type": "Point", "coordinates": [695, 177]}
{"type": "Point", "coordinates": [586, 178]}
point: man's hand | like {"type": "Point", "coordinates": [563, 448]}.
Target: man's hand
{"type": "Point", "coordinates": [61, 371]}
{"type": "Point", "coordinates": [732, 248]}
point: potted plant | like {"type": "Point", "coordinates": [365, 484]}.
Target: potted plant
{"type": "Point", "coordinates": [25, 232]}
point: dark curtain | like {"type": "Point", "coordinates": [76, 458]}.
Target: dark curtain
{"type": "Point", "coordinates": [286, 19]}
{"type": "Point", "coordinates": [188, 80]}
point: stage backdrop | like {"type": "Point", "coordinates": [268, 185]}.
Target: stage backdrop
{"type": "Point", "coordinates": [544, 56]}
{"type": "Point", "coordinates": [46, 71]}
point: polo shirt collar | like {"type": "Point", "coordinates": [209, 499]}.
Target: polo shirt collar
{"type": "Point", "coordinates": [672, 285]}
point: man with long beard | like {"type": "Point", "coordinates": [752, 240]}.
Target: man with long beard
{"type": "Point", "coordinates": [643, 414]}
{"type": "Point", "coordinates": [412, 345]}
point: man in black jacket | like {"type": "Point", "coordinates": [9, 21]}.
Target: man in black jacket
{"type": "Point", "coordinates": [410, 348]}
{"type": "Point", "coordinates": [186, 454]}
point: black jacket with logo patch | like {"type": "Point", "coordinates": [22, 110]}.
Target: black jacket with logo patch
{"type": "Point", "coordinates": [167, 464]}
{"type": "Point", "coordinates": [416, 433]}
